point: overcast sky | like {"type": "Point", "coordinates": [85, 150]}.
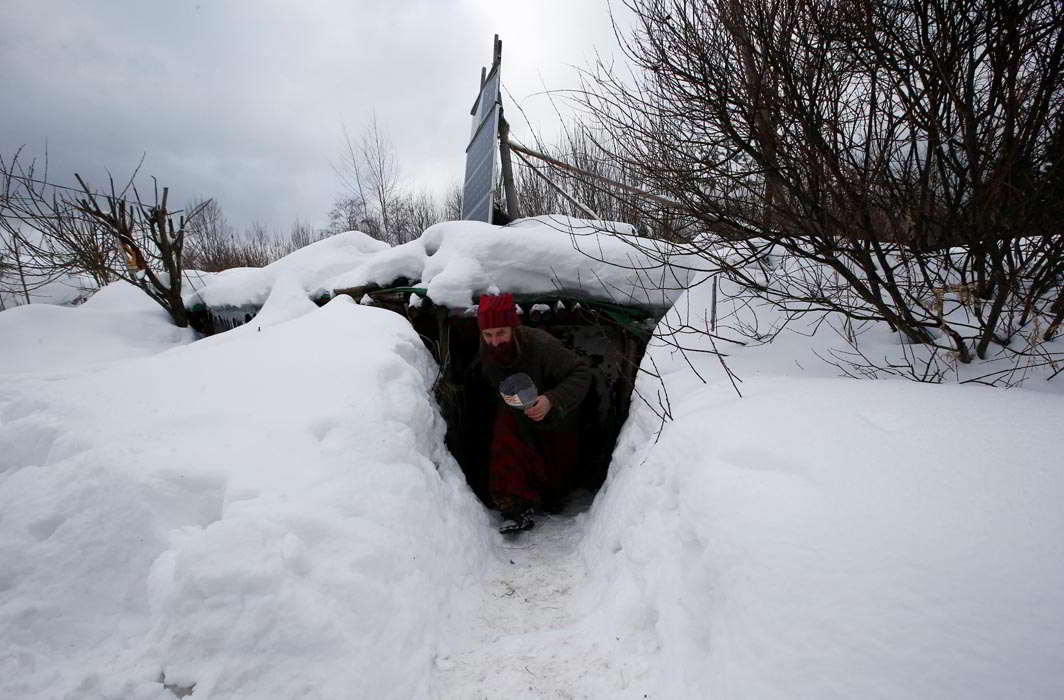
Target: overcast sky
{"type": "Point", "coordinates": [243, 101]}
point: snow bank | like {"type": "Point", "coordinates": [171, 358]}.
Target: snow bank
{"type": "Point", "coordinates": [65, 290]}
{"type": "Point", "coordinates": [458, 260]}
{"type": "Point", "coordinates": [118, 322]}
{"type": "Point", "coordinates": [826, 537]}
{"type": "Point", "coordinates": [274, 515]}
{"type": "Point", "coordinates": [308, 266]}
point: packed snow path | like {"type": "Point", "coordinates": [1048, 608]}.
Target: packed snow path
{"type": "Point", "coordinates": [523, 633]}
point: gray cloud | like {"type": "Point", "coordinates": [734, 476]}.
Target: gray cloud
{"type": "Point", "coordinates": [243, 101]}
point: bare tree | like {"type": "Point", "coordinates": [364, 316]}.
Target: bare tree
{"type": "Point", "coordinates": [214, 245]}
{"type": "Point", "coordinates": [108, 237]}
{"type": "Point", "coordinates": [209, 237]}
{"type": "Point", "coordinates": [43, 236]}
{"type": "Point", "coordinates": [413, 214]}
{"type": "Point", "coordinates": [345, 215]}
{"type": "Point", "coordinates": [259, 246]}
{"type": "Point", "coordinates": [893, 162]}
{"type": "Point", "coordinates": [375, 201]}
{"type": "Point", "coordinates": [12, 270]}
{"type": "Point", "coordinates": [381, 173]}
{"type": "Point", "coordinates": [300, 236]}
{"type": "Point", "coordinates": [348, 214]}
{"type": "Point", "coordinates": [452, 203]}
{"type": "Point", "coordinates": [153, 245]}
{"type": "Point", "coordinates": [369, 173]}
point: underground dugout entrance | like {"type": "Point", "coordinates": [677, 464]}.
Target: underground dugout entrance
{"type": "Point", "coordinates": [610, 337]}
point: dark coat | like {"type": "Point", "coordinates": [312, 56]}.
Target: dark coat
{"type": "Point", "coordinates": [559, 373]}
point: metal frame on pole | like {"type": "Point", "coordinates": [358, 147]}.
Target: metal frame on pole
{"type": "Point", "coordinates": [506, 146]}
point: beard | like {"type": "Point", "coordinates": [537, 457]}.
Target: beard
{"type": "Point", "coordinates": [503, 353]}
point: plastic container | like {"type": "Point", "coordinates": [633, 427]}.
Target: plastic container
{"type": "Point", "coordinates": [518, 390]}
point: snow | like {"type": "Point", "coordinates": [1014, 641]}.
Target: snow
{"type": "Point", "coordinates": [458, 260]}
{"type": "Point", "coordinates": [250, 286]}
{"type": "Point", "coordinates": [818, 538]}
{"type": "Point", "coordinates": [891, 555]}
{"type": "Point", "coordinates": [272, 512]}
{"type": "Point", "coordinates": [64, 290]}
{"type": "Point", "coordinates": [118, 322]}
{"type": "Point", "coordinates": [524, 632]}
{"type": "Point", "coordinates": [826, 537]}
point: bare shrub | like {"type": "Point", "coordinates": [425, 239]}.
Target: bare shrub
{"type": "Point", "coordinates": [106, 236]}
{"type": "Point", "coordinates": [375, 201]}
{"type": "Point", "coordinates": [214, 245]}
{"type": "Point", "coordinates": [896, 163]}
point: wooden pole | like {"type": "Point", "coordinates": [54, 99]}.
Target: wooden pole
{"type": "Point", "coordinates": [519, 149]}
{"type": "Point", "coordinates": [513, 210]}
{"type": "Point", "coordinates": [559, 190]}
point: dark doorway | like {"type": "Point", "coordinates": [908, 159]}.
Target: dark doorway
{"type": "Point", "coordinates": [612, 349]}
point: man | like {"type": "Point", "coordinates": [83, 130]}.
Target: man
{"type": "Point", "coordinates": [535, 449]}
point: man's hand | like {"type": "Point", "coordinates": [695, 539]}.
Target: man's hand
{"type": "Point", "coordinates": [539, 408]}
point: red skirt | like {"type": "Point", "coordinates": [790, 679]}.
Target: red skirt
{"type": "Point", "coordinates": [534, 473]}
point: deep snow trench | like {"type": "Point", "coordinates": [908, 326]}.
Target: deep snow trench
{"type": "Point", "coordinates": [524, 630]}
{"type": "Point", "coordinates": [272, 513]}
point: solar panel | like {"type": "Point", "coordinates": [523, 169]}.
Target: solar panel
{"type": "Point", "coordinates": [489, 96]}
{"type": "Point", "coordinates": [479, 185]}
{"type": "Point", "coordinates": [480, 170]}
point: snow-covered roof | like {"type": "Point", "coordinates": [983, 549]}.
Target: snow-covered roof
{"type": "Point", "coordinates": [308, 266]}
{"type": "Point", "coordinates": [456, 261]}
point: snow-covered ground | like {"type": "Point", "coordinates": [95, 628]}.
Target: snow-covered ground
{"type": "Point", "coordinates": [826, 537]}
{"type": "Point", "coordinates": [266, 514]}
{"type": "Point", "coordinates": [819, 537]}
{"type": "Point", "coordinates": [65, 289]}
{"type": "Point", "coordinates": [271, 512]}
{"type": "Point", "coordinates": [525, 631]}
{"type": "Point", "coordinates": [117, 323]}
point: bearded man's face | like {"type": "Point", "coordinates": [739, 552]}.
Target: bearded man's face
{"type": "Point", "coordinates": [500, 343]}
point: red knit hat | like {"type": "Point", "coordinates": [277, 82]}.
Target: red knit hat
{"type": "Point", "coordinates": [497, 311]}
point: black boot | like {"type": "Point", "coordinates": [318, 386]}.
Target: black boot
{"type": "Point", "coordinates": [517, 522]}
